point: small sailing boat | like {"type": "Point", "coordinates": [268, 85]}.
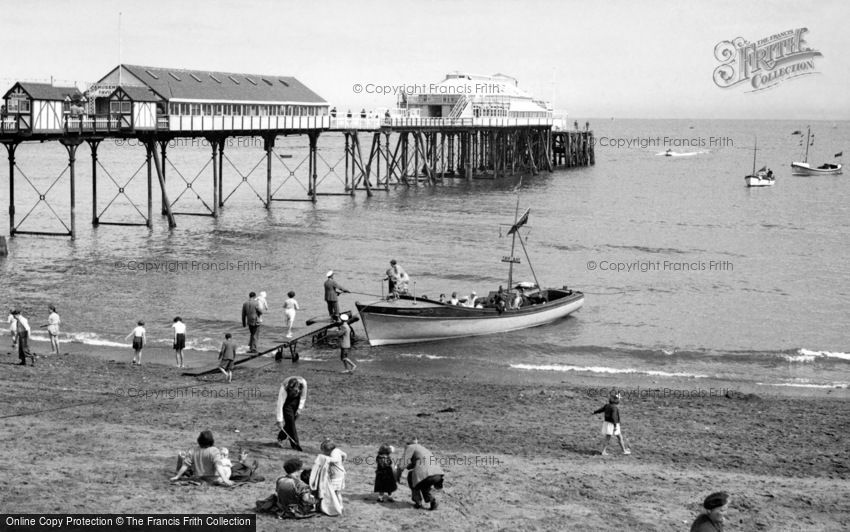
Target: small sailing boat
{"type": "Point", "coordinates": [804, 168]}
{"type": "Point", "coordinates": [764, 177]}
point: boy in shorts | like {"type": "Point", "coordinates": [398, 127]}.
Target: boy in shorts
{"type": "Point", "coordinates": [611, 424]}
{"type": "Point", "coordinates": [345, 344]}
{"type": "Point", "coordinates": [227, 355]}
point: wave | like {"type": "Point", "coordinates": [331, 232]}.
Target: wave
{"type": "Point", "coordinates": [602, 369]}
{"type": "Point", "coordinates": [681, 154]}
{"type": "Point", "coordinates": [421, 355]}
{"type": "Point", "coordinates": [832, 385]}
{"type": "Point", "coordinates": [808, 355]}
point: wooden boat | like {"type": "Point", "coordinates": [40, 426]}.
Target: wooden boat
{"type": "Point", "coordinates": [804, 168]}
{"type": "Point", "coordinates": [762, 178]}
{"type": "Point", "coordinates": [408, 319]}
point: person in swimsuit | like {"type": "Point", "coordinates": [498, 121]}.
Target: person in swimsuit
{"type": "Point", "coordinates": [289, 308]}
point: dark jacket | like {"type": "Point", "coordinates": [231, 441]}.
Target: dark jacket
{"type": "Point", "coordinates": [251, 313]}
{"type": "Point", "coordinates": [228, 350]}
{"type": "Point", "coordinates": [612, 413]}
{"type": "Point", "coordinates": [331, 288]}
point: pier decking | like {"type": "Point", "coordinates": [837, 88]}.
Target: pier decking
{"type": "Point", "coordinates": [155, 106]}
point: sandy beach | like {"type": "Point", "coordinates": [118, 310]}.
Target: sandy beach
{"type": "Point", "coordinates": [88, 434]}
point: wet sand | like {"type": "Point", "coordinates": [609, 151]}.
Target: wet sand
{"type": "Point", "coordinates": [87, 432]}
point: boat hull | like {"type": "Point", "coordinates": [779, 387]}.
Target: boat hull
{"type": "Point", "coordinates": [806, 169]}
{"type": "Point", "coordinates": [757, 181]}
{"type": "Point", "coordinates": [407, 321]}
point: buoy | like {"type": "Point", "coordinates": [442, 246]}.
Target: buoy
{"type": "Point", "coordinates": [3, 249]}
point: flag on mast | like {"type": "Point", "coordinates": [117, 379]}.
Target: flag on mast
{"type": "Point", "coordinates": [522, 221]}
{"type": "Point", "coordinates": [839, 154]}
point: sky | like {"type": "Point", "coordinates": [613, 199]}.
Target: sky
{"type": "Point", "coordinates": [626, 59]}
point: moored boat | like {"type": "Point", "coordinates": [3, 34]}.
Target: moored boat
{"type": "Point", "coordinates": [804, 168]}
{"type": "Point", "coordinates": [762, 178]}
{"type": "Point", "coordinates": [408, 319]}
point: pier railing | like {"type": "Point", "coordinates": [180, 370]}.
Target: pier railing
{"type": "Point", "coordinates": [356, 123]}
{"type": "Point", "coordinates": [468, 122]}
{"type": "Point", "coordinates": [93, 124]}
{"type": "Point", "coordinates": [14, 123]}
{"type": "Point", "coordinates": [244, 123]}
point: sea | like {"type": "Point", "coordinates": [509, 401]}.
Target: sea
{"type": "Point", "coordinates": [686, 271]}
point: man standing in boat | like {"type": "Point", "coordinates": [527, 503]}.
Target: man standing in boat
{"type": "Point", "coordinates": [397, 279]}
{"type": "Point", "coordinates": [332, 291]}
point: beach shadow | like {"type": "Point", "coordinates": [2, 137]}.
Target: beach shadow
{"type": "Point", "coordinates": [580, 450]}
{"type": "Point", "coordinates": [372, 498]}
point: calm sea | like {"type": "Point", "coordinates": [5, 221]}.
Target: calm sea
{"type": "Point", "coordinates": [686, 271]}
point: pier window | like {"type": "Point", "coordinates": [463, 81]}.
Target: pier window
{"type": "Point", "coordinates": [218, 109]}
{"type": "Point", "coordinates": [237, 110]}
{"type": "Point", "coordinates": [195, 109]}
{"type": "Point", "coordinates": [264, 110]}
{"type": "Point", "coordinates": [123, 106]}
{"type": "Point", "coordinates": [18, 103]}
{"type": "Point", "coordinates": [207, 109]}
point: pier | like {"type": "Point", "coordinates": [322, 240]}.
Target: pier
{"type": "Point", "coordinates": [423, 142]}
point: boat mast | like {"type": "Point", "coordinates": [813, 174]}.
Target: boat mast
{"type": "Point", "coordinates": [513, 244]}
{"type": "Point", "coordinates": [755, 150]}
{"type": "Point", "coordinates": [808, 134]}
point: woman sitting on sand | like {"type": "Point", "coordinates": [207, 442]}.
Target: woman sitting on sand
{"type": "Point", "coordinates": [204, 463]}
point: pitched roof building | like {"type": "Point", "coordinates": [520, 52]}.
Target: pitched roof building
{"type": "Point", "coordinates": [181, 85]}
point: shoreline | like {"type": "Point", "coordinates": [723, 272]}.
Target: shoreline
{"type": "Point", "coordinates": [634, 384]}
{"type": "Point", "coordinates": [518, 451]}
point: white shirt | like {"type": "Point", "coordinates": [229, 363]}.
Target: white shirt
{"type": "Point", "coordinates": [24, 323]}
{"type": "Point", "coordinates": [179, 327]}
{"type": "Point", "coordinates": [281, 396]}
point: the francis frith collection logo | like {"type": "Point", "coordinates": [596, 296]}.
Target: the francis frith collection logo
{"type": "Point", "coordinates": [765, 63]}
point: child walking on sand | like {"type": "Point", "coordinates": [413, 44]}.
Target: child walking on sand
{"type": "Point", "coordinates": [179, 340]}
{"type": "Point", "coordinates": [139, 340]}
{"type": "Point", "coordinates": [611, 424]}
{"type": "Point", "coordinates": [52, 325]}
{"type": "Point", "coordinates": [385, 482]}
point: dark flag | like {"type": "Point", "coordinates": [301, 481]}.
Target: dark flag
{"type": "Point", "coordinates": [522, 221]}
{"type": "Point", "coordinates": [798, 132]}
{"type": "Point", "coordinates": [839, 154]}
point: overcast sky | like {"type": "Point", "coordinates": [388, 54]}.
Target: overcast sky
{"type": "Point", "coordinates": [649, 59]}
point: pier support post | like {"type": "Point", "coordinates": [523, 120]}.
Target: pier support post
{"type": "Point", "coordinates": [160, 174]}
{"type": "Point", "coordinates": [149, 147]}
{"type": "Point", "coordinates": [222, 141]}
{"type": "Point", "coordinates": [216, 179]}
{"type": "Point", "coordinates": [470, 155]}
{"type": "Point", "coordinates": [10, 150]}
{"type": "Point", "coordinates": [71, 147]}
{"type": "Point", "coordinates": [93, 144]}
{"type": "Point", "coordinates": [268, 144]}
{"type": "Point", "coordinates": [163, 144]}
{"type": "Point", "coordinates": [389, 163]}
{"type": "Point", "coordinates": [348, 157]}
{"type": "Point", "coordinates": [313, 177]}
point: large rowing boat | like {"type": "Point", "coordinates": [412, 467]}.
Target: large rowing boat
{"type": "Point", "coordinates": [408, 319]}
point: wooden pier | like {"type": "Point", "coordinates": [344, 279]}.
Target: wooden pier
{"type": "Point", "coordinates": [142, 104]}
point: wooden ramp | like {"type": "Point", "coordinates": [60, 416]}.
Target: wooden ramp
{"type": "Point", "coordinates": [316, 335]}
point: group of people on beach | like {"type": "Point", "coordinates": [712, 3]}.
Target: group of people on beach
{"type": "Point", "coordinates": [303, 493]}
{"type": "Point", "coordinates": [20, 331]}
